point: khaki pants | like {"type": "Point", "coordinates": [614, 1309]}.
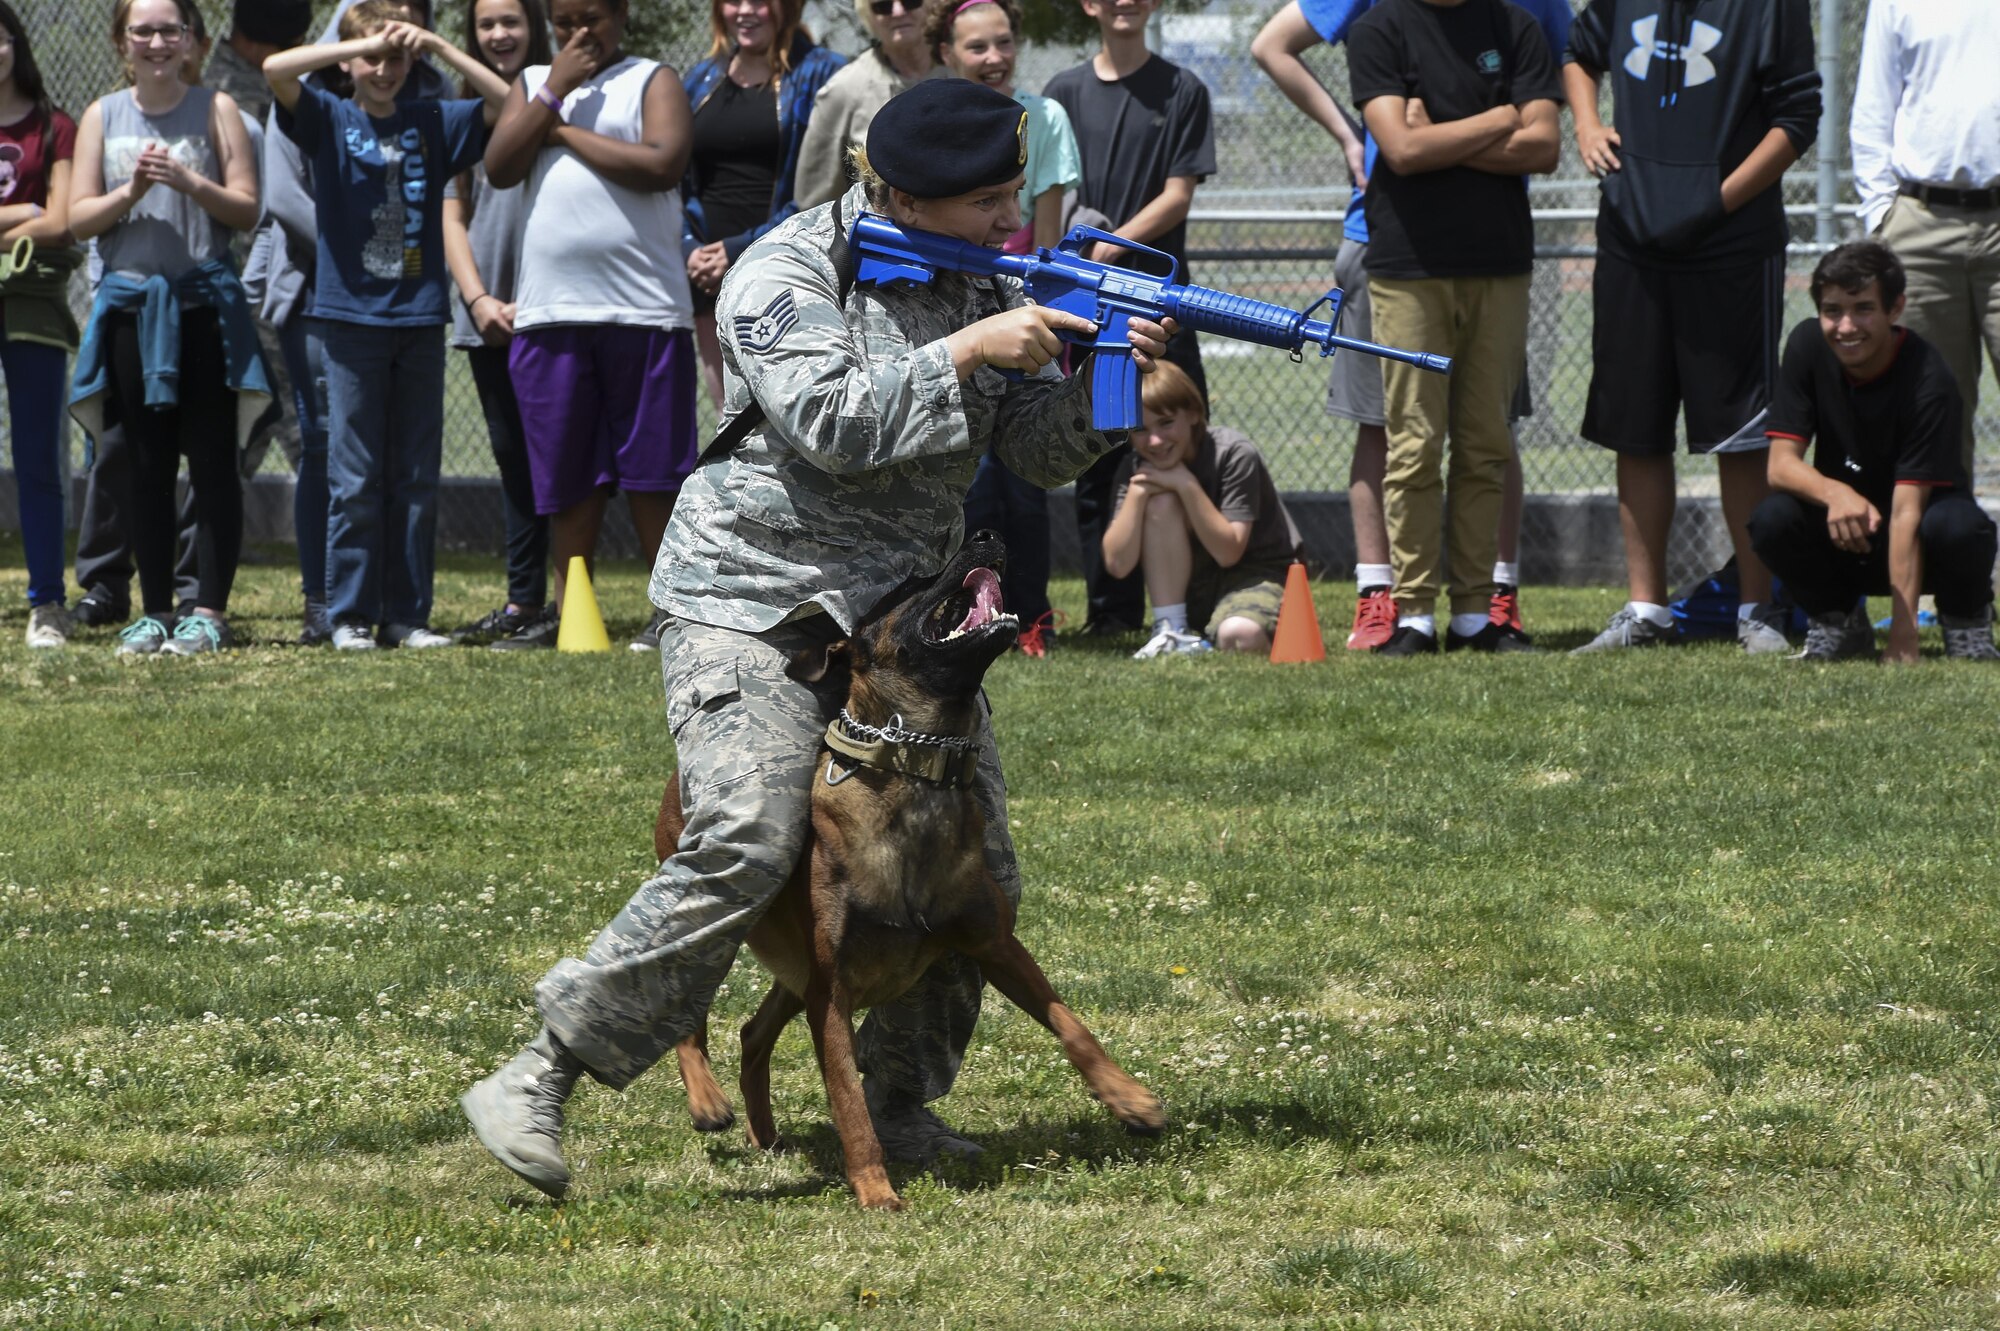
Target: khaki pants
{"type": "Point", "coordinates": [1952, 256]}
{"type": "Point", "coordinates": [1482, 324]}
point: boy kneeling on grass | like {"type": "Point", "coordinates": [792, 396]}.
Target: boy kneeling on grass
{"type": "Point", "coordinates": [1883, 407]}
{"type": "Point", "coordinates": [1196, 509]}
{"type": "Point", "coordinates": [379, 169]}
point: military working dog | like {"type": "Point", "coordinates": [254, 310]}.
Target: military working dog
{"type": "Point", "coordinates": [894, 873]}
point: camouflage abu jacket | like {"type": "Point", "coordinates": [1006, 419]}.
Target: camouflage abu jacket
{"type": "Point", "coordinates": [856, 480]}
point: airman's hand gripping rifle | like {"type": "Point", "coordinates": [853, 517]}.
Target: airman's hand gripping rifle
{"type": "Point", "coordinates": [1111, 297]}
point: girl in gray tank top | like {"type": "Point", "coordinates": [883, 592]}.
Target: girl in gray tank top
{"type": "Point", "coordinates": [166, 232]}
{"type": "Point", "coordinates": [162, 172]}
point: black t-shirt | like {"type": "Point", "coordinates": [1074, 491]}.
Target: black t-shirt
{"type": "Point", "coordinates": [737, 152]}
{"type": "Point", "coordinates": [1132, 134]}
{"type": "Point", "coordinates": [1899, 428]}
{"type": "Point", "coordinates": [1461, 60]}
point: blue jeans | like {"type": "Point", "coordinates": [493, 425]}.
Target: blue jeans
{"type": "Point", "coordinates": [305, 363]}
{"type": "Point", "coordinates": [37, 383]}
{"type": "Point", "coordinates": [385, 431]}
{"type": "Point", "coordinates": [1019, 510]}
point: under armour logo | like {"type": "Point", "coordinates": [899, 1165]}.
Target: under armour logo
{"type": "Point", "coordinates": [1702, 38]}
{"type": "Point", "coordinates": [762, 332]}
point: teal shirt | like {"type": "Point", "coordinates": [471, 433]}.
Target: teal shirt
{"type": "Point", "coordinates": [1052, 155]}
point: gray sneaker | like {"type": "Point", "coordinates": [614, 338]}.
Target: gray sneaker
{"type": "Point", "coordinates": [517, 1113]}
{"type": "Point", "coordinates": [1847, 636]}
{"type": "Point", "coordinates": [144, 636]}
{"type": "Point", "coordinates": [1969, 639]}
{"type": "Point", "coordinates": [909, 1132]}
{"type": "Point", "coordinates": [198, 635]}
{"type": "Point", "coordinates": [1763, 634]}
{"type": "Point", "coordinates": [315, 625]}
{"type": "Point", "coordinates": [1628, 629]}
{"type": "Point", "coordinates": [48, 626]}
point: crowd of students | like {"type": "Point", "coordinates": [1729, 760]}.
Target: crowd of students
{"type": "Point", "coordinates": [280, 234]}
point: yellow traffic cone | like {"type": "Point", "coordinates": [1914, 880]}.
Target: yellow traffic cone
{"type": "Point", "coordinates": [582, 628]}
{"type": "Point", "coordinates": [1297, 639]}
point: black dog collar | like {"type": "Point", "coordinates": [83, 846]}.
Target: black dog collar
{"type": "Point", "coordinates": [944, 760]}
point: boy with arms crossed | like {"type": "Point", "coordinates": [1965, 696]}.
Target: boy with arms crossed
{"type": "Point", "coordinates": [1460, 95]}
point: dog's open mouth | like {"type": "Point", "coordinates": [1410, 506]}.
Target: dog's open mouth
{"type": "Point", "coordinates": [975, 607]}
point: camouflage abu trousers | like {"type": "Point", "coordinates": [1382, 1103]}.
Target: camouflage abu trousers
{"type": "Point", "coordinates": [747, 736]}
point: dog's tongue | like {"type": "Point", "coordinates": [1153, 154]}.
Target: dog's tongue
{"type": "Point", "coordinates": [985, 584]}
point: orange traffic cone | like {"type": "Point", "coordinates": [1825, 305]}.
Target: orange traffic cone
{"type": "Point", "coordinates": [1297, 639]}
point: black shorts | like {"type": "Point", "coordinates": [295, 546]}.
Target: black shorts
{"type": "Point", "coordinates": [1663, 342]}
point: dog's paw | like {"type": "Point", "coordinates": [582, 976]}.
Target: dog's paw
{"type": "Point", "coordinates": [712, 1118]}
{"type": "Point", "coordinates": [1140, 1111]}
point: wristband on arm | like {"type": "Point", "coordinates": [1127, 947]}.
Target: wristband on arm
{"type": "Point", "coordinates": [550, 100]}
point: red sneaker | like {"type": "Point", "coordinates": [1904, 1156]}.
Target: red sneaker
{"type": "Point", "coordinates": [1040, 635]}
{"type": "Point", "coordinates": [1374, 620]}
{"type": "Point", "coordinates": [1505, 609]}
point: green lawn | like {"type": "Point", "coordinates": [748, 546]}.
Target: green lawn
{"type": "Point", "coordinates": [1495, 993]}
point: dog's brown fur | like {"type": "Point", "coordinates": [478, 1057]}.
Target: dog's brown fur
{"type": "Point", "coordinates": [893, 877]}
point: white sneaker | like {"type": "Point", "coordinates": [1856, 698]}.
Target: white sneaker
{"type": "Point", "coordinates": [353, 638]}
{"type": "Point", "coordinates": [48, 626]}
{"type": "Point", "coordinates": [1171, 642]}
{"type": "Point", "coordinates": [416, 637]}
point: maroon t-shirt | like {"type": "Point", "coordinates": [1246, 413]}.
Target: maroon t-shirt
{"type": "Point", "coordinates": [24, 172]}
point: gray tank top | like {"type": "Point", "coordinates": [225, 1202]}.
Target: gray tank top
{"type": "Point", "coordinates": [166, 233]}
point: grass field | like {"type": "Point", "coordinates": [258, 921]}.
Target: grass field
{"type": "Point", "coordinates": [1517, 993]}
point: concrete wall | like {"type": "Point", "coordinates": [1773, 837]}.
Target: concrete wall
{"type": "Point", "coordinates": [1565, 539]}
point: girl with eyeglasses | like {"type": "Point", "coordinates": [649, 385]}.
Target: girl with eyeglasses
{"type": "Point", "coordinates": [163, 173]}
{"type": "Point", "coordinates": [37, 331]}
{"type": "Point", "coordinates": [753, 102]}
{"type": "Point", "coordinates": [898, 58]}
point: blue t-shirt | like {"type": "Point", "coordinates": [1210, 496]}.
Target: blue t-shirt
{"type": "Point", "coordinates": [1332, 18]}
{"type": "Point", "coordinates": [378, 186]}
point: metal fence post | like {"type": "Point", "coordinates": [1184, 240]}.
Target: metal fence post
{"type": "Point", "coordinates": [1831, 123]}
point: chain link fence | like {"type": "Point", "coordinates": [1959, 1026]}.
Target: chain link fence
{"type": "Point", "coordinates": [1266, 225]}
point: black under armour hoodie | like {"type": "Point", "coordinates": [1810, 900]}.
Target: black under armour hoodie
{"type": "Point", "coordinates": [1697, 84]}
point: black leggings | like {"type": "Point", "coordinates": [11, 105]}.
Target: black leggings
{"type": "Point", "coordinates": [202, 428]}
{"type": "Point", "coordinates": [1956, 538]}
{"type": "Point", "coordinates": [527, 531]}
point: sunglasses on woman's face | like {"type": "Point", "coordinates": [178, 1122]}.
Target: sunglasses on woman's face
{"type": "Point", "coordinates": [884, 8]}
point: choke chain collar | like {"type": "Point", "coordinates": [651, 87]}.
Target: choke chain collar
{"type": "Point", "coordinates": [946, 760]}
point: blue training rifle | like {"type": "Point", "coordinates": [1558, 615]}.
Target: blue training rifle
{"type": "Point", "coordinates": [1111, 297]}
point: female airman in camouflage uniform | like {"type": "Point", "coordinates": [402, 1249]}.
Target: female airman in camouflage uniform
{"type": "Point", "coordinates": [876, 410]}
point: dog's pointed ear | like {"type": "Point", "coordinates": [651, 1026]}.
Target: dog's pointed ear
{"type": "Point", "coordinates": [816, 665]}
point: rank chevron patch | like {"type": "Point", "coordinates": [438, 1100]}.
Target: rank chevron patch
{"type": "Point", "coordinates": [762, 332]}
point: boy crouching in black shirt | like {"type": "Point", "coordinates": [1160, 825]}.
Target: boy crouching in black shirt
{"type": "Point", "coordinates": [1881, 403]}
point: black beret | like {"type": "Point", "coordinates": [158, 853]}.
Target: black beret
{"type": "Point", "coordinates": [279, 22]}
{"type": "Point", "coordinates": [948, 136]}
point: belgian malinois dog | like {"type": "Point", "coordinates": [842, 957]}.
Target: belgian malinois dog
{"type": "Point", "coordinates": [894, 874]}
